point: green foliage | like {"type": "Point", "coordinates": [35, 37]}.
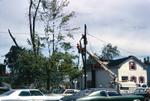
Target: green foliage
{"type": "Point", "coordinates": [30, 67]}
{"type": "Point", "coordinates": [26, 70]}
{"type": "Point", "coordinates": [11, 56]}
{"type": "Point", "coordinates": [109, 52]}
{"type": "Point", "coordinates": [38, 44]}
{"type": "Point", "coordinates": [56, 22]}
{"type": "Point", "coordinates": [66, 46]}
{"type": "Point", "coordinates": [60, 62]}
{"type": "Point", "coordinates": [63, 65]}
{"type": "Point", "coordinates": [22, 66]}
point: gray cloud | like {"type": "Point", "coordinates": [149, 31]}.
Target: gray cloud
{"type": "Point", "coordinates": [124, 23]}
{"type": "Point", "coordinates": [121, 22]}
{"type": "Point", "coordinates": [13, 14]}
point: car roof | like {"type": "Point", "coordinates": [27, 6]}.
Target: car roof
{"type": "Point", "coordinates": [24, 89]}
{"type": "Point", "coordinates": [107, 89]}
{"type": "Point", "coordinates": [18, 90]}
{"type": "Point", "coordinates": [71, 89]}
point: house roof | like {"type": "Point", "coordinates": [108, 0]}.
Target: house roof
{"type": "Point", "coordinates": [118, 62]}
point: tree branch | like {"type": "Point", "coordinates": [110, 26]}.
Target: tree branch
{"type": "Point", "coordinates": [14, 40]}
{"type": "Point", "coordinates": [35, 15]}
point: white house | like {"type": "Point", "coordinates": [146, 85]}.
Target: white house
{"type": "Point", "coordinates": [127, 69]}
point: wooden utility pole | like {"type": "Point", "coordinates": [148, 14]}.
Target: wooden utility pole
{"type": "Point", "coordinates": [84, 55]}
{"type": "Point", "coordinates": [82, 50]}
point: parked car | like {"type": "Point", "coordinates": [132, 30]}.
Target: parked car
{"type": "Point", "coordinates": [141, 91]}
{"type": "Point", "coordinates": [70, 92]}
{"type": "Point", "coordinates": [80, 94]}
{"type": "Point", "coordinates": [27, 95]}
{"type": "Point", "coordinates": [65, 93]}
{"type": "Point", "coordinates": [104, 95]}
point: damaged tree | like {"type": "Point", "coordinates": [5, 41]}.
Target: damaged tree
{"type": "Point", "coordinates": [33, 12]}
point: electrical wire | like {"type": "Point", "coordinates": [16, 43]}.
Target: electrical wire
{"type": "Point", "coordinates": [101, 40]}
{"type": "Point", "coordinates": [21, 33]}
{"type": "Point", "coordinates": [124, 50]}
{"type": "Point", "coordinates": [112, 44]}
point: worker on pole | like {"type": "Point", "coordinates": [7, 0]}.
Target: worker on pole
{"type": "Point", "coordinates": [82, 50]}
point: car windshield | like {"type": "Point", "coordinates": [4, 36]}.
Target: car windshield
{"type": "Point", "coordinates": [85, 92]}
{"type": "Point", "coordinates": [69, 92]}
{"type": "Point", "coordinates": [96, 93]}
{"type": "Point", "coordinates": [112, 93]}
{"type": "Point", "coordinates": [7, 93]}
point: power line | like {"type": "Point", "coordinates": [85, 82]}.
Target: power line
{"type": "Point", "coordinates": [25, 33]}
{"type": "Point", "coordinates": [109, 42]}
{"type": "Point", "coordinates": [112, 44]}
{"type": "Point", "coordinates": [98, 39]}
{"type": "Point", "coordinates": [13, 32]}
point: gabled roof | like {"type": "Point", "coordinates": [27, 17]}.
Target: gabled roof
{"type": "Point", "coordinates": [118, 62]}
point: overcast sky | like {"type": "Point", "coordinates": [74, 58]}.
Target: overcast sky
{"type": "Point", "coordinates": [125, 23]}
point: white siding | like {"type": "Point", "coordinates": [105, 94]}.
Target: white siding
{"type": "Point", "coordinates": [125, 71]}
{"type": "Point", "coordinates": [103, 78]}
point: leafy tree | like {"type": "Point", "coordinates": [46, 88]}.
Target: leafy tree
{"type": "Point", "coordinates": [61, 65]}
{"type": "Point", "coordinates": [56, 30]}
{"type": "Point", "coordinates": [28, 71]}
{"type": "Point", "coordinates": [56, 23]}
{"type": "Point", "coordinates": [109, 52]}
{"type": "Point", "coordinates": [10, 60]}
{"type": "Point", "coordinates": [2, 73]}
{"type": "Point", "coordinates": [30, 67]}
{"type": "Point", "coordinates": [65, 66]}
{"type": "Point", "coordinates": [23, 67]}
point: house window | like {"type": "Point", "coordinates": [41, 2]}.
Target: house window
{"type": "Point", "coordinates": [132, 65]}
{"type": "Point", "coordinates": [141, 79]}
{"type": "Point", "coordinates": [124, 78]}
{"type": "Point", "coordinates": [133, 78]}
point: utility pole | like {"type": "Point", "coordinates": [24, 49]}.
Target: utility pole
{"type": "Point", "coordinates": [84, 64]}
{"type": "Point", "coordinates": [82, 50]}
